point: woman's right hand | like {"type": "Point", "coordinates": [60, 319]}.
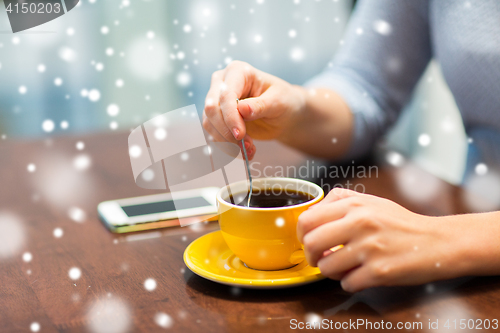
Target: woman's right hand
{"type": "Point", "coordinates": [266, 106]}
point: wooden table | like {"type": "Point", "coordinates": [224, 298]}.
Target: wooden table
{"type": "Point", "coordinates": [115, 267]}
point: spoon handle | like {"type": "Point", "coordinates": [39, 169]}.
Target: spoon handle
{"type": "Point", "coordinates": [248, 164]}
{"type": "Point", "coordinates": [248, 170]}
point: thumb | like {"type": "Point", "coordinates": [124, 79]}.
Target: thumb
{"type": "Point", "coordinates": [254, 108]}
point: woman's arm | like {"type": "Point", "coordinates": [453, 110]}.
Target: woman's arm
{"type": "Point", "coordinates": [386, 244]}
{"type": "Point", "coordinates": [323, 127]}
{"type": "Point", "coordinates": [344, 109]}
{"type": "Point", "coordinates": [385, 49]}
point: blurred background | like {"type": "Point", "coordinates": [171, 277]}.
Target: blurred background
{"type": "Point", "coordinates": [111, 65]}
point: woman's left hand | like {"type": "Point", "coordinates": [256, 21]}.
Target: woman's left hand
{"type": "Point", "coordinates": [384, 243]}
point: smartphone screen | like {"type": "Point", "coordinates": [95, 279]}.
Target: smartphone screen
{"type": "Point", "coordinates": [164, 206]}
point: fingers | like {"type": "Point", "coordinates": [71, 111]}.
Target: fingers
{"type": "Point", "coordinates": [216, 118]}
{"type": "Point", "coordinates": [235, 84]}
{"type": "Point", "coordinates": [217, 137]}
{"type": "Point", "coordinates": [337, 194]}
{"type": "Point", "coordinates": [231, 116]}
{"type": "Point", "coordinates": [325, 237]}
{"type": "Point", "coordinates": [213, 108]}
{"type": "Point", "coordinates": [336, 265]}
{"type": "Point", "coordinates": [257, 107]}
{"type": "Point", "coordinates": [212, 99]}
{"type": "Point", "coordinates": [249, 146]}
{"type": "Point", "coordinates": [221, 106]}
{"type": "Point", "coordinates": [324, 213]}
{"type": "Point", "coordinates": [359, 279]}
{"type": "Point", "coordinates": [212, 111]}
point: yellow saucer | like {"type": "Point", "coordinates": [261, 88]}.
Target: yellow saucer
{"type": "Point", "coordinates": [209, 257]}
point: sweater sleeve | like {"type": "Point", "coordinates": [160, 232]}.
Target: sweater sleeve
{"type": "Point", "coordinates": [385, 49]}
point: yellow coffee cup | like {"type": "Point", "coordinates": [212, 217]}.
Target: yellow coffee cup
{"type": "Point", "coordinates": [265, 238]}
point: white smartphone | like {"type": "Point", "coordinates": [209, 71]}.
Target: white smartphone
{"type": "Point", "coordinates": [158, 210]}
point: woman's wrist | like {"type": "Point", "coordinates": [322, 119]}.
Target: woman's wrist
{"type": "Point", "coordinates": [297, 109]}
{"type": "Point", "coordinates": [473, 247]}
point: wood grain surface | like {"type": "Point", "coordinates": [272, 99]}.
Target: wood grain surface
{"type": "Point", "coordinates": [110, 296]}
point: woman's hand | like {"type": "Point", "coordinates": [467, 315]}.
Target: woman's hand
{"type": "Point", "coordinates": [384, 243]}
{"type": "Point", "coordinates": [266, 107]}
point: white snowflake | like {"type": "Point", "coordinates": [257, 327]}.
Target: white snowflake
{"type": "Point", "coordinates": [35, 327]}
{"type": "Point", "coordinates": [233, 40]}
{"type": "Point", "coordinates": [113, 110]}
{"type": "Point", "coordinates": [382, 27]}
{"type": "Point", "coordinates": [394, 158]}
{"type": "Point", "coordinates": [163, 320]}
{"type": "Point", "coordinates": [27, 257]}
{"type": "Point", "coordinates": [481, 169]}
{"type": "Point", "coordinates": [184, 79]}
{"type": "Point", "coordinates": [48, 125]}
{"type": "Point", "coordinates": [148, 175]}
{"type": "Point", "coordinates": [150, 284]}
{"type": "Point", "coordinates": [313, 318]}
{"type": "Point", "coordinates": [74, 273]}
{"type": "Point", "coordinates": [67, 54]}
{"type": "Point", "coordinates": [424, 139]}
{"type": "Point", "coordinates": [94, 95]}
{"type": "Point", "coordinates": [109, 315]}
{"type": "Point", "coordinates": [58, 232]}
{"type": "Point", "coordinates": [77, 214]}
{"type": "Point", "coordinates": [135, 151]}
{"type": "Point", "coordinates": [160, 134]}
{"type": "Point", "coordinates": [82, 162]}
{"type": "Point", "coordinates": [297, 54]}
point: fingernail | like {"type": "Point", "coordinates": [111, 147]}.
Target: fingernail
{"type": "Point", "coordinates": [247, 145]}
{"type": "Point", "coordinates": [345, 286]}
{"type": "Point", "coordinates": [236, 132]}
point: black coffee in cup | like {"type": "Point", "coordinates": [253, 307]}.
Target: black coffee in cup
{"type": "Point", "coordinates": [271, 198]}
